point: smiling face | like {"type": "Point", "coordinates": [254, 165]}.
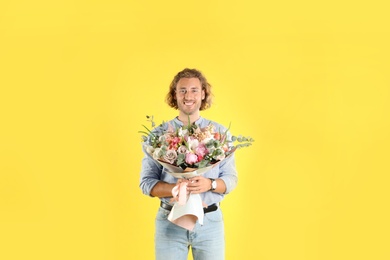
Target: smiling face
{"type": "Point", "coordinates": [189, 96]}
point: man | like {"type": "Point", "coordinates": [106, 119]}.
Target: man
{"type": "Point", "coordinates": [190, 93]}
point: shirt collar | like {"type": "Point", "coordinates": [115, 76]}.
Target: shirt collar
{"type": "Point", "coordinates": [197, 122]}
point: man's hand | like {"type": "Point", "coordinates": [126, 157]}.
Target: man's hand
{"type": "Point", "coordinates": [198, 184]}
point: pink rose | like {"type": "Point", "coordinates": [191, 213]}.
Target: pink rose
{"type": "Point", "coordinates": [170, 156]}
{"type": "Point", "coordinates": [201, 150]}
{"type": "Point", "coordinates": [191, 158]}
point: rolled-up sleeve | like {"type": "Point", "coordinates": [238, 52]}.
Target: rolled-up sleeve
{"type": "Point", "coordinates": [150, 174]}
{"type": "Point", "coordinates": [228, 173]}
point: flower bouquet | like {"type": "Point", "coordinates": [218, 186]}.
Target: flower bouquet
{"type": "Point", "coordinates": [186, 152]}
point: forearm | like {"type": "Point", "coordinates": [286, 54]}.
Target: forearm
{"type": "Point", "coordinates": [162, 189]}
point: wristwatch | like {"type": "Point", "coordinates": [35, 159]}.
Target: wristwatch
{"type": "Point", "coordinates": [213, 184]}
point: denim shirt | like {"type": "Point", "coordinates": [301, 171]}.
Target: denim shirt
{"type": "Point", "coordinates": [152, 172]}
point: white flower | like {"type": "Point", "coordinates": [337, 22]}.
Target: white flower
{"type": "Point", "coordinates": [182, 132]}
{"type": "Point", "coordinates": [149, 149]}
{"type": "Point", "coordinates": [193, 143]}
{"type": "Point", "coordinates": [156, 153]}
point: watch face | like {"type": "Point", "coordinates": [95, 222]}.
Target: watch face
{"type": "Point", "coordinates": [214, 184]}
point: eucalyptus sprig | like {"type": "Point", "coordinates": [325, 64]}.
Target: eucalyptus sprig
{"type": "Point", "coordinates": [151, 120]}
{"type": "Point", "coordinates": [191, 127]}
{"type": "Point", "coordinates": [244, 141]}
{"type": "Point", "coordinates": [149, 133]}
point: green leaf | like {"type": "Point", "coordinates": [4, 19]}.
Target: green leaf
{"type": "Point", "coordinates": [181, 158]}
{"type": "Point", "coordinates": [203, 163]}
{"type": "Point", "coordinates": [150, 132]}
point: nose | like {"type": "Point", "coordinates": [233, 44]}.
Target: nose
{"type": "Point", "coordinates": [187, 95]}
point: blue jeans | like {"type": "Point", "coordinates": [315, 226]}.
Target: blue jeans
{"type": "Point", "coordinates": [172, 242]}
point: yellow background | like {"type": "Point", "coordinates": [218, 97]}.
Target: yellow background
{"type": "Point", "coordinates": [308, 80]}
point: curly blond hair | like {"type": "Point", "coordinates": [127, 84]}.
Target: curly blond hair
{"type": "Point", "coordinates": [190, 73]}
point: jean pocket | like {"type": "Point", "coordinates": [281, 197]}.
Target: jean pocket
{"type": "Point", "coordinates": [162, 214]}
{"type": "Point", "coordinates": [215, 216]}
